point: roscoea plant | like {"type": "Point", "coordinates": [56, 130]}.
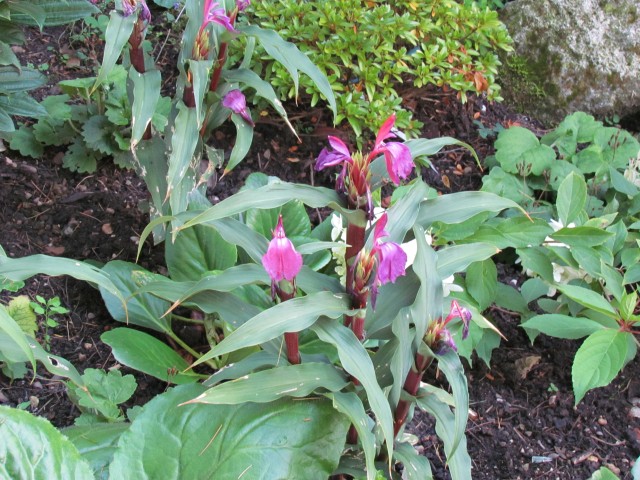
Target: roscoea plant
{"type": "Point", "coordinates": [176, 160]}
{"type": "Point", "coordinates": [310, 367]}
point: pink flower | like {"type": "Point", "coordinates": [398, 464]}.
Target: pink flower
{"type": "Point", "coordinates": [216, 14]}
{"type": "Point", "coordinates": [397, 155]}
{"type": "Point", "coordinates": [281, 261]}
{"type": "Point", "coordinates": [236, 102]}
{"type": "Point", "coordinates": [242, 4]}
{"type": "Point", "coordinates": [131, 6]}
{"type": "Point", "coordinates": [391, 257]}
{"type": "Point", "coordinates": [463, 314]}
{"type": "Point", "coordinates": [337, 154]}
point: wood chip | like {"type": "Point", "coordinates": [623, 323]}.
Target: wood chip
{"type": "Point", "coordinates": [107, 229]}
{"type": "Point", "coordinates": [53, 250]}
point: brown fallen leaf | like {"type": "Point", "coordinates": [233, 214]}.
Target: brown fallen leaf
{"type": "Point", "coordinates": [525, 364]}
{"type": "Point", "coordinates": [53, 250]}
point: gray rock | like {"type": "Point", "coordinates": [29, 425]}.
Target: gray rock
{"type": "Point", "coordinates": [572, 55]}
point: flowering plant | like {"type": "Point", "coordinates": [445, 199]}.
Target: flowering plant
{"type": "Point", "coordinates": [177, 158]}
{"type": "Point", "coordinates": [327, 373]}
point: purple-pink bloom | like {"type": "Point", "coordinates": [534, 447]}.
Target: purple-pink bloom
{"type": "Point", "coordinates": [242, 4]}
{"type": "Point", "coordinates": [463, 314]}
{"type": "Point", "coordinates": [337, 154]}
{"type": "Point", "coordinates": [397, 155]}
{"type": "Point", "coordinates": [237, 103]}
{"type": "Point", "coordinates": [281, 261]}
{"type": "Point", "coordinates": [445, 343]}
{"type": "Point", "coordinates": [391, 257]}
{"type": "Point", "coordinates": [145, 14]}
{"type": "Point", "coordinates": [216, 14]}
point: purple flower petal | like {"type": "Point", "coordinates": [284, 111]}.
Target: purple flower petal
{"type": "Point", "coordinates": [385, 131]}
{"type": "Point", "coordinates": [216, 14]}
{"type": "Point", "coordinates": [445, 343]}
{"type": "Point", "coordinates": [391, 262]}
{"type": "Point", "coordinates": [399, 161]}
{"type": "Point", "coordinates": [335, 155]}
{"type": "Point", "coordinates": [379, 230]}
{"type": "Point", "coordinates": [242, 4]}
{"type": "Point", "coordinates": [237, 103]}
{"type": "Point", "coordinates": [281, 261]}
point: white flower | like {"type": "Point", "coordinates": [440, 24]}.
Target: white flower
{"type": "Point", "coordinates": [339, 233]}
{"type": "Point", "coordinates": [557, 225]}
{"type": "Point", "coordinates": [448, 286]}
{"type": "Point", "coordinates": [632, 172]}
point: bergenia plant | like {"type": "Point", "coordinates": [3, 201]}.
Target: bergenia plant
{"type": "Point", "coordinates": [175, 161]}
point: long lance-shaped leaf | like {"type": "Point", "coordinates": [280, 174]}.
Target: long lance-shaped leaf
{"type": "Point", "coordinates": [275, 195]}
{"type": "Point", "coordinates": [450, 365]}
{"type": "Point", "coordinates": [56, 12]}
{"type": "Point", "coordinates": [17, 269]}
{"type": "Point", "coordinates": [416, 466]}
{"type": "Point", "coordinates": [16, 347]}
{"type": "Point", "coordinates": [255, 361]}
{"type": "Point", "coordinates": [12, 80]}
{"type": "Point", "coordinates": [403, 214]}
{"type": "Point", "coordinates": [355, 360]}
{"type": "Point", "coordinates": [146, 93]}
{"type": "Point", "coordinates": [183, 144]}
{"type": "Point", "coordinates": [291, 316]}
{"type": "Point", "coordinates": [201, 74]}
{"type": "Point", "coordinates": [392, 297]}
{"type": "Point", "coordinates": [349, 404]}
{"type": "Point", "coordinates": [460, 462]}
{"type": "Point", "coordinates": [428, 304]}
{"type": "Point", "coordinates": [263, 89]}
{"type": "Point", "coordinates": [403, 356]}
{"type": "Point", "coordinates": [293, 60]}
{"type": "Point", "coordinates": [244, 139]}
{"type": "Point", "coordinates": [458, 257]}
{"type": "Point", "coordinates": [97, 443]}
{"type": "Point", "coordinates": [458, 207]}
{"type": "Point", "coordinates": [117, 34]}
{"type": "Point", "coordinates": [269, 385]}
{"type": "Point", "coordinates": [430, 146]}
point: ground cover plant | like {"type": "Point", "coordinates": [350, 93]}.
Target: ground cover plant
{"type": "Point", "coordinates": [369, 49]}
{"type": "Point", "coordinates": [323, 335]}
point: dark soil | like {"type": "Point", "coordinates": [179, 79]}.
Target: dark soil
{"type": "Point", "coordinates": [519, 428]}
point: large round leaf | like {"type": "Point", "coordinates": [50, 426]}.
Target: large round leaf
{"type": "Point", "coordinates": [279, 440]}
{"type": "Point", "coordinates": [32, 448]}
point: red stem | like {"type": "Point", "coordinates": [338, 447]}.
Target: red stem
{"type": "Point", "coordinates": [411, 386]}
{"type": "Point", "coordinates": [293, 353]}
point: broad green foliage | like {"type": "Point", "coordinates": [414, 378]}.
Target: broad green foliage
{"type": "Point", "coordinates": [32, 448]}
{"type": "Point", "coordinates": [580, 186]}
{"type": "Point", "coordinates": [16, 80]}
{"type": "Point", "coordinates": [368, 49]}
{"type": "Point", "coordinates": [297, 439]}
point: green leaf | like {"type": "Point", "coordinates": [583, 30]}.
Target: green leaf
{"type": "Point", "coordinates": [598, 360]}
{"type": "Point", "coordinates": [13, 342]}
{"type": "Point", "coordinates": [13, 81]}
{"type": "Point", "coordinates": [25, 142]}
{"type": "Point", "coordinates": [603, 473]}
{"type": "Point", "coordinates": [146, 93]}
{"type": "Point", "coordinates": [275, 195]}
{"type": "Point", "coordinates": [355, 360]}
{"type": "Point", "coordinates": [244, 138]}
{"type": "Point", "coordinates": [450, 365]}
{"type": "Point", "coordinates": [460, 463]}
{"type": "Point", "coordinates": [588, 298]}
{"type": "Point", "coordinates": [103, 392]}
{"type": "Point", "coordinates": [349, 404]}
{"type": "Point", "coordinates": [482, 282]}
{"type": "Point", "coordinates": [98, 135]}
{"type": "Point", "coordinates": [563, 326]}
{"type": "Point", "coordinates": [416, 466]}
{"type": "Point", "coordinates": [23, 105]}
{"type": "Point", "coordinates": [200, 72]}
{"type": "Point", "coordinates": [581, 236]}
{"type": "Point", "coordinates": [458, 207]}
{"type": "Point", "coordinates": [147, 354]}
{"type": "Point", "coordinates": [57, 13]}
{"type": "Point", "coordinates": [96, 444]}
{"type": "Point", "coordinates": [293, 60]}
{"type": "Point", "coordinates": [283, 440]}
{"type": "Point", "coordinates": [457, 257]}
{"type": "Point", "coordinates": [20, 310]}
{"type": "Point", "coordinates": [144, 309]}
{"type": "Point", "coordinates": [198, 250]}
{"type": "Point", "coordinates": [22, 268]}
{"type": "Point", "coordinates": [291, 316]}
{"type": "Point", "coordinates": [32, 448]}
{"type": "Point", "coordinates": [268, 385]}
{"type": "Point", "coordinates": [519, 151]}
{"type": "Point", "coordinates": [117, 35]}
{"type": "Point", "coordinates": [78, 158]}
{"type": "Point", "coordinates": [571, 198]}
